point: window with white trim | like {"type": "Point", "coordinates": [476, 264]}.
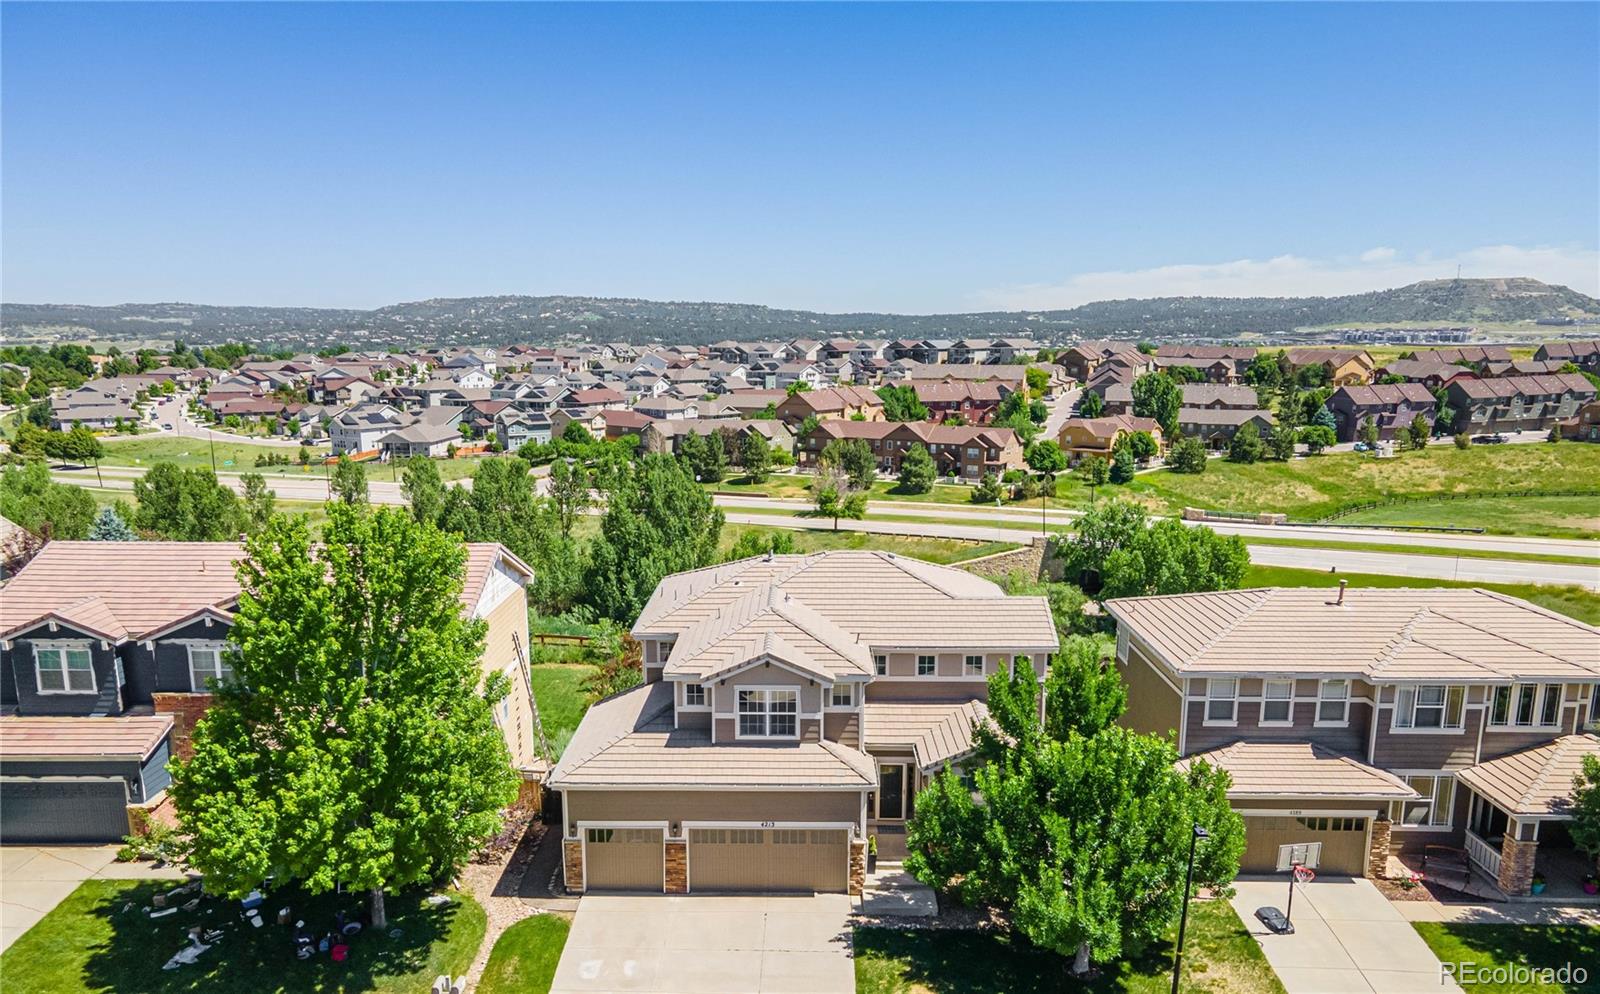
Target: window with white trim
{"type": "Point", "coordinates": [768, 713]}
{"type": "Point", "coordinates": [927, 665]}
{"type": "Point", "coordinates": [64, 669]}
{"type": "Point", "coordinates": [843, 695]}
{"type": "Point", "coordinates": [1527, 705]}
{"type": "Point", "coordinates": [972, 666]}
{"type": "Point", "coordinates": [1333, 702]}
{"type": "Point", "coordinates": [1222, 700]}
{"type": "Point", "coordinates": [880, 665]}
{"type": "Point", "coordinates": [1431, 705]}
{"type": "Point", "coordinates": [1432, 809]}
{"type": "Point", "coordinates": [1594, 705]}
{"type": "Point", "coordinates": [208, 663]}
{"type": "Point", "coordinates": [1277, 702]}
{"type": "Point", "coordinates": [694, 695]}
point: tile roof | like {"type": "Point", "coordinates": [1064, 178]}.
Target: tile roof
{"type": "Point", "coordinates": [628, 741]}
{"type": "Point", "coordinates": [1511, 386]}
{"type": "Point", "coordinates": [1299, 769]}
{"type": "Point", "coordinates": [1467, 635]}
{"type": "Point", "coordinates": [1535, 781]}
{"type": "Point", "coordinates": [767, 621]}
{"type": "Point", "coordinates": [911, 603]}
{"type": "Point", "coordinates": [937, 732]}
{"type": "Point", "coordinates": [1386, 394]}
{"type": "Point", "coordinates": [131, 737]}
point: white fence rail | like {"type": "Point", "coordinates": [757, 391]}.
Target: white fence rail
{"type": "Point", "coordinates": [1486, 856]}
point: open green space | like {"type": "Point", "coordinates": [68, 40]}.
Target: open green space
{"type": "Point", "coordinates": [1575, 602]}
{"type": "Point", "coordinates": [1538, 947]}
{"type": "Point", "coordinates": [820, 539]}
{"type": "Point", "coordinates": [1291, 541]}
{"type": "Point", "coordinates": [241, 457]}
{"type": "Point", "coordinates": [1219, 956]}
{"type": "Point", "coordinates": [1553, 517]}
{"type": "Point", "coordinates": [524, 958]}
{"type": "Point", "coordinates": [101, 940]}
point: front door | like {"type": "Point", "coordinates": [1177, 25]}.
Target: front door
{"type": "Point", "coordinates": [891, 792]}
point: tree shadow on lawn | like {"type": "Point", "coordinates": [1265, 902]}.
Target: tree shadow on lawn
{"type": "Point", "coordinates": [1534, 946]}
{"type": "Point", "coordinates": [961, 962]}
{"type": "Point", "coordinates": [259, 960]}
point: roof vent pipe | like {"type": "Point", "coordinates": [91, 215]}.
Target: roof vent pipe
{"type": "Point", "coordinates": [1342, 585]}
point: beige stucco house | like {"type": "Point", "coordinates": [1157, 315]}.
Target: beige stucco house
{"type": "Point", "coordinates": [792, 706]}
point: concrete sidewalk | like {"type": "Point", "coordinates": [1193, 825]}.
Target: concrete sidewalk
{"type": "Point", "coordinates": [1348, 939]}
{"type": "Point", "coordinates": [34, 879]}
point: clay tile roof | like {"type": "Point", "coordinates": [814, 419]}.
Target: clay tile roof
{"type": "Point", "coordinates": [937, 732]}
{"type": "Point", "coordinates": [1535, 781]}
{"type": "Point", "coordinates": [1299, 769]}
{"type": "Point", "coordinates": [121, 738]}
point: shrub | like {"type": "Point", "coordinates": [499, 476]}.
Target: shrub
{"type": "Point", "coordinates": [1463, 441]}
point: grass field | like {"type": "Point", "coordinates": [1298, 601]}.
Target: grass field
{"type": "Point", "coordinates": [1292, 541]}
{"type": "Point", "coordinates": [1575, 602]}
{"type": "Point", "coordinates": [934, 550]}
{"type": "Point", "coordinates": [240, 457]}
{"type": "Point", "coordinates": [100, 941]}
{"type": "Point", "coordinates": [1544, 947]}
{"type": "Point", "coordinates": [558, 690]}
{"type": "Point", "coordinates": [524, 958]}
{"type": "Point", "coordinates": [1219, 957]}
{"type": "Point", "coordinates": [1553, 517]}
{"type": "Point", "coordinates": [796, 486]}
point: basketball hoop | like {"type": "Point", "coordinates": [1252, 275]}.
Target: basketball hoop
{"type": "Point", "coordinates": [1304, 874]}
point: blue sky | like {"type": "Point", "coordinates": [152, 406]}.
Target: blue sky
{"type": "Point", "coordinates": [837, 157]}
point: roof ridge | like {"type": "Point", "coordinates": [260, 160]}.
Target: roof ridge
{"type": "Point", "coordinates": [1399, 639]}
{"type": "Point", "coordinates": [1227, 629]}
{"type": "Point", "coordinates": [1557, 749]}
{"type": "Point", "coordinates": [1494, 634]}
{"type": "Point", "coordinates": [642, 718]}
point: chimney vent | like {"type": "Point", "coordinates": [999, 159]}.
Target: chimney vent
{"type": "Point", "coordinates": [1342, 585]}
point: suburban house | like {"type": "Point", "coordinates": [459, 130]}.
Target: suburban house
{"type": "Point", "coordinates": [830, 402]}
{"type": "Point", "coordinates": [1430, 373]}
{"type": "Point", "coordinates": [784, 718]}
{"type": "Point", "coordinates": [1371, 721]}
{"type": "Point", "coordinates": [1342, 366]}
{"type": "Point", "coordinates": [1517, 403]}
{"type": "Point", "coordinates": [1583, 426]}
{"type": "Point", "coordinates": [1084, 358]}
{"type": "Point", "coordinates": [1083, 438]}
{"type": "Point", "coordinates": [513, 428]}
{"type": "Point", "coordinates": [1391, 406]}
{"type": "Point", "coordinates": [974, 402]}
{"type": "Point", "coordinates": [965, 452]}
{"type": "Point", "coordinates": [667, 436]}
{"type": "Point", "coordinates": [420, 439]}
{"type": "Point", "coordinates": [107, 653]}
{"type": "Point", "coordinates": [1216, 426]}
{"type": "Point", "coordinates": [1219, 364]}
{"type": "Point", "coordinates": [1584, 355]}
{"type": "Point", "coordinates": [667, 408]}
{"type": "Point", "coordinates": [1220, 396]}
{"type": "Point", "coordinates": [363, 428]}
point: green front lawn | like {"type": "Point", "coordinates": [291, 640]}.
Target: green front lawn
{"type": "Point", "coordinates": [524, 959]}
{"type": "Point", "coordinates": [558, 690]}
{"type": "Point", "coordinates": [101, 939]}
{"type": "Point", "coordinates": [1488, 947]}
{"type": "Point", "coordinates": [1575, 602]}
{"type": "Point", "coordinates": [1220, 957]}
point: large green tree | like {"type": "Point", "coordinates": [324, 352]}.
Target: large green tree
{"type": "Point", "coordinates": [835, 496]}
{"type": "Point", "coordinates": [917, 471]}
{"type": "Point", "coordinates": [423, 488]}
{"type": "Point", "coordinates": [900, 403]}
{"type": "Point", "coordinates": [356, 744]}
{"type": "Point", "coordinates": [1156, 396]}
{"type": "Point", "coordinates": [1170, 557]}
{"type": "Point", "coordinates": [569, 494]}
{"type": "Point", "coordinates": [855, 457]}
{"type": "Point", "coordinates": [187, 505]}
{"type": "Point", "coordinates": [658, 521]}
{"type": "Point", "coordinates": [47, 509]}
{"type": "Point", "coordinates": [1188, 455]}
{"type": "Point", "coordinates": [755, 455]}
{"type": "Point", "coordinates": [349, 483]}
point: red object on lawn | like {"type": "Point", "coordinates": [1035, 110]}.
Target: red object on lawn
{"type": "Point", "coordinates": [339, 953]}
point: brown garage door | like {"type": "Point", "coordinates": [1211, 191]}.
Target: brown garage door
{"type": "Point", "coordinates": [623, 859]}
{"type": "Point", "coordinates": [768, 859]}
{"type": "Point", "coordinates": [1344, 842]}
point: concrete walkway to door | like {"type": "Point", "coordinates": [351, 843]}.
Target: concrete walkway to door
{"type": "Point", "coordinates": [657, 944]}
{"type": "Point", "coordinates": [1348, 939]}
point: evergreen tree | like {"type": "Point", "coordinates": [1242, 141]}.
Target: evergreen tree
{"type": "Point", "coordinates": [1246, 445]}
{"type": "Point", "coordinates": [109, 527]}
{"type": "Point", "coordinates": [349, 484]}
{"type": "Point", "coordinates": [756, 455]}
{"type": "Point", "coordinates": [423, 489]}
{"type": "Point", "coordinates": [917, 471]}
{"type": "Point", "coordinates": [1122, 466]}
{"type": "Point", "coordinates": [1188, 455]}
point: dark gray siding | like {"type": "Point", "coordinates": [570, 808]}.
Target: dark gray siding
{"type": "Point", "coordinates": [153, 775]}
{"type": "Point", "coordinates": [172, 658]}
{"type": "Point", "coordinates": [127, 770]}
{"type": "Point", "coordinates": [30, 702]}
{"type": "Point", "coordinates": [8, 678]}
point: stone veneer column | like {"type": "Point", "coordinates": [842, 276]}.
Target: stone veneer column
{"type": "Point", "coordinates": [1378, 850]}
{"type": "Point", "coordinates": [1516, 866]}
{"type": "Point", "coordinates": [858, 866]}
{"type": "Point", "coordinates": [186, 711]}
{"type": "Point", "coordinates": [572, 854]}
{"type": "Point", "coordinates": [677, 866]}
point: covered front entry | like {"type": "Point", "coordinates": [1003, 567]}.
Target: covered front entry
{"type": "Point", "coordinates": [1343, 840]}
{"type": "Point", "coordinates": [622, 857]}
{"type": "Point", "coordinates": [769, 859]}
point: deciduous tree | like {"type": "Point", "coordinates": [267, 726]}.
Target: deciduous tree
{"type": "Point", "coordinates": [900, 403]}
{"type": "Point", "coordinates": [658, 521]}
{"type": "Point", "coordinates": [1188, 455]}
{"type": "Point", "coordinates": [755, 452]}
{"type": "Point", "coordinates": [423, 489]}
{"type": "Point", "coordinates": [258, 501]}
{"type": "Point", "coordinates": [186, 505]}
{"type": "Point", "coordinates": [1156, 396]}
{"type": "Point", "coordinates": [349, 483]}
{"type": "Point", "coordinates": [855, 457]}
{"type": "Point", "coordinates": [1091, 405]}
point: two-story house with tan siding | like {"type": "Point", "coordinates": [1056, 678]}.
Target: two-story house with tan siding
{"type": "Point", "coordinates": [108, 655]}
{"type": "Point", "coordinates": [1368, 721]}
{"type": "Point", "coordinates": [792, 706]}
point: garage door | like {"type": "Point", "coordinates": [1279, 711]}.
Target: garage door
{"type": "Point", "coordinates": [1344, 842]}
{"type": "Point", "coordinates": [623, 859]}
{"type": "Point", "coordinates": [63, 809]}
{"type": "Point", "coordinates": [768, 859]}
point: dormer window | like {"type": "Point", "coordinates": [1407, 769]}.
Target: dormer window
{"type": "Point", "coordinates": [843, 695]}
{"type": "Point", "coordinates": [64, 668]}
{"type": "Point", "coordinates": [208, 664]}
{"type": "Point", "coordinates": [694, 695]}
{"type": "Point", "coordinates": [880, 665]}
{"type": "Point", "coordinates": [768, 713]}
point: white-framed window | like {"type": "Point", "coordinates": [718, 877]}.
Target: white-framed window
{"type": "Point", "coordinates": [1527, 705]}
{"type": "Point", "coordinates": [694, 695]}
{"type": "Point", "coordinates": [927, 665]}
{"type": "Point", "coordinates": [66, 668]}
{"type": "Point", "coordinates": [208, 663]}
{"type": "Point", "coordinates": [1222, 701]}
{"type": "Point", "coordinates": [1429, 706]}
{"type": "Point", "coordinates": [1277, 702]}
{"type": "Point", "coordinates": [843, 695]}
{"type": "Point", "coordinates": [972, 666]}
{"type": "Point", "coordinates": [1594, 705]}
{"type": "Point", "coordinates": [768, 712]}
{"type": "Point", "coordinates": [880, 664]}
{"type": "Point", "coordinates": [1432, 809]}
{"type": "Point", "coordinates": [1333, 702]}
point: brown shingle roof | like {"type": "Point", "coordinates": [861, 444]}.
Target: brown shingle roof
{"type": "Point", "coordinates": [103, 738]}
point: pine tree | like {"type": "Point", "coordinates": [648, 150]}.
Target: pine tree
{"type": "Point", "coordinates": [109, 527]}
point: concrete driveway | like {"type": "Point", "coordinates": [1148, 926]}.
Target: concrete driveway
{"type": "Point", "coordinates": [708, 945]}
{"type": "Point", "coordinates": [1348, 939]}
{"type": "Point", "coordinates": [34, 879]}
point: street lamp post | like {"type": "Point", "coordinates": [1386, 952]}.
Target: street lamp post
{"type": "Point", "coordinates": [1183, 919]}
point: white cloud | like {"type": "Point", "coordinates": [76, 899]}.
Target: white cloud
{"type": "Point", "coordinates": [1295, 276]}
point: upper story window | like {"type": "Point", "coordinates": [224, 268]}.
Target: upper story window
{"type": "Point", "coordinates": [1277, 702]}
{"type": "Point", "coordinates": [1333, 702]}
{"type": "Point", "coordinates": [208, 663]}
{"type": "Point", "coordinates": [694, 695]}
{"type": "Point", "coordinates": [65, 668]}
{"type": "Point", "coordinates": [768, 713]}
{"type": "Point", "coordinates": [1594, 705]}
{"type": "Point", "coordinates": [843, 695]}
{"type": "Point", "coordinates": [1429, 706]}
{"type": "Point", "coordinates": [972, 666]}
{"type": "Point", "coordinates": [927, 665]}
{"type": "Point", "coordinates": [880, 665]}
{"type": "Point", "coordinates": [1222, 701]}
{"type": "Point", "coordinates": [1527, 705]}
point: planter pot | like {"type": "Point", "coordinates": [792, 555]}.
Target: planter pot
{"type": "Point", "coordinates": [1537, 887]}
{"type": "Point", "coordinates": [872, 862]}
{"type": "Point", "coordinates": [1591, 887]}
